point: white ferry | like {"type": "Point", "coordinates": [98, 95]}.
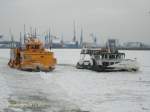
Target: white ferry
{"type": "Point", "coordinates": [100, 59]}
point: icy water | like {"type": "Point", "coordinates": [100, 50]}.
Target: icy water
{"type": "Point", "coordinates": [68, 89]}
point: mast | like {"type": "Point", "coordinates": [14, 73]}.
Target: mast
{"type": "Point", "coordinates": [81, 38]}
{"type": "Point", "coordinates": [24, 33]}
{"type": "Point", "coordinates": [93, 35]}
{"type": "Point", "coordinates": [95, 39]}
{"type": "Point", "coordinates": [49, 39]}
{"type": "Point", "coordinates": [20, 40]}
{"type": "Point", "coordinates": [35, 32]}
{"type": "Point", "coordinates": [12, 39]}
{"type": "Point", "coordinates": [45, 36]}
{"type": "Point", "coordinates": [62, 39]}
{"type": "Point", "coordinates": [74, 32]}
{"type": "Point", "coordinates": [31, 31]}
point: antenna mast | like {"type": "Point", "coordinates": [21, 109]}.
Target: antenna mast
{"type": "Point", "coordinates": [35, 32]}
{"type": "Point", "coordinates": [24, 33]}
{"type": "Point", "coordinates": [12, 39]}
{"type": "Point", "coordinates": [74, 31]}
{"type": "Point", "coordinates": [20, 40]}
{"type": "Point", "coordinates": [81, 38]}
{"type": "Point", "coordinates": [49, 38]}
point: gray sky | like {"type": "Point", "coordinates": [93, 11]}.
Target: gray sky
{"type": "Point", "coordinates": [122, 19]}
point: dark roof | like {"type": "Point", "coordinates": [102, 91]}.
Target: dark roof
{"type": "Point", "coordinates": [100, 52]}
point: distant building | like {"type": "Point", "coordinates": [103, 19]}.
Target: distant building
{"type": "Point", "coordinates": [94, 38]}
{"type": "Point", "coordinates": [112, 44]}
{"type": "Point", "coordinates": [57, 43]}
{"type": "Point", "coordinates": [89, 45]}
{"type": "Point", "coordinates": [133, 45]}
{"type": "Point", "coordinates": [70, 44]}
{"type": "Point", "coordinates": [1, 36]}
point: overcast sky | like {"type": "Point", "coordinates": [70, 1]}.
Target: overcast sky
{"type": "Point", "coordinates": [127, 20]}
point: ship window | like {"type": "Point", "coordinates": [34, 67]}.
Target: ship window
{"type": "Point", "coordinates": [87, 57]}
{"type": "Point", "coordinates": [27, 46]}
{"type": "Point", "coordinates": [121, 56]}
{"type": "Point", "coordinates": [37, 46]}
{"type": "Point", "coordinates": [110, 56]}
{"type": "Point", "coordinates": [118, 56]}
{"type": "Point", "coordinates": [111, 63]}
{"type": "Point", "coordinates": [97, 57]}
{"type": "Point", "coordinates": [102, 56]}
{"type": "Point", "coordinates": [105, 63]}
{"type": "Point", "coordinates": [27, 57]}
{"type": "Point", "coordinates": [34, 47]}
{"type": "Point", "coordinates": [113, 56]}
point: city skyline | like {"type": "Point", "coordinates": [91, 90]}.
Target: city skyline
{"type": "Point", "coordinates": [124, 20]}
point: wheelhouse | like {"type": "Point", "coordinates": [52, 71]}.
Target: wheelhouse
{"type": "Point", "coordinates": [103, 54]}
{"type": "Point", "coordinates": [102, 57]}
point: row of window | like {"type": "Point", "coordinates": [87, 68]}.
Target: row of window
{"type": "Point", "coordinates": [33, 46]}
{"type": "Point", "coordinates": [109, 56]}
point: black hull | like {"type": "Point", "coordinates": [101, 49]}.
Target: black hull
{"type": "Point", "coordinates": [101, 68]}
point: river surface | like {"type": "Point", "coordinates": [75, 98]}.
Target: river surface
{"type": "Point", "coordinates": [68, 89]}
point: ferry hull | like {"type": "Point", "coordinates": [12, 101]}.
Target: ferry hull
{"type": "Point", "coordinates": [126, 65]}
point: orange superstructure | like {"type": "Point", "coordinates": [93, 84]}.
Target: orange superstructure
{"type": "Point", "coordinates": [33, 56]}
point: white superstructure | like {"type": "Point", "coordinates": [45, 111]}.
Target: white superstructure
{"type": "Point", "coordinates": [105, 60]}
